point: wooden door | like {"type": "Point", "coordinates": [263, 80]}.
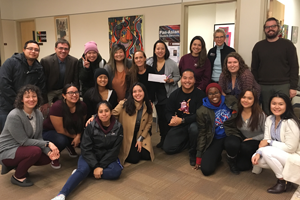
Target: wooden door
{"type": "Point", "coordinates": [27, 29]}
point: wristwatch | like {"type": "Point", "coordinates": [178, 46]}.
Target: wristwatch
{"type": "Point", "coordinates": [183, 121]}
{"type": "Point", "coordinates": [269, 142]}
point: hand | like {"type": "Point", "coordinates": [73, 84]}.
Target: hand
{"type": "Point", "coordinates": [293, 93]}
{"type": "Point", "coordinates": [89, 120]}
{"type": "Point", "coordinates": [45, 109]}
{"type": "Point", "coordinates": [255, 159]}
{"type": "Point", "coordinates": [86, 63]}
{"type": "Point", "coordinates": [263, 143]}
{"type": "Point", "coordinates": [53, 148]}
{"type": "Point", "coordinates": [98, 172]}
{"type": "Point", "coordinates": [139, 146]}
{"type": "Point", "coordinates": [196, 167]}
{"type": "Point", "coordinates": [169, 80]}
{"type": "Point", "coordinates": [76, 140]}
{"type": "Point", "coordinates": [247, 139]}
{"type": "Point", "coordinates": [175, 121]}
{"type": "Point", "coordinates": [53, 156]}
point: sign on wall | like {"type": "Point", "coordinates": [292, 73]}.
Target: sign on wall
{"type": "Point", "coordinates": [171, 36]}
{"type": "Point", "coordinates": [41, 36]}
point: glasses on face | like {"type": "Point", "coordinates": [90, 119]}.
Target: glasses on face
{"type": "Point", "coordinates": [219, 37]}
{"type": "Point", "coordinates": [61, 48]}
{"type": "Point", "coordinates": [272, 27]}
{"type": "Point", "coordinates": [33, 49]}
{"type": "Point", "coordinates": [212, 94]}
{"type": "Point", "coordinates": [72, 93]}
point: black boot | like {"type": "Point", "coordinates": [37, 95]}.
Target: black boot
{"type": "Point", "coordinates": [280, 187]}
{"type": "Point", "coordinates": [232, 165]}
{"type": "Point", "coordinates": [161, 143]}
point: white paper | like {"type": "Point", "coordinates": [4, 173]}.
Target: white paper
{"type": "Point", "coordinates": [157, 78]}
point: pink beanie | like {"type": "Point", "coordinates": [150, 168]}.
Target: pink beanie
{"type": "Point", "coordinates": [90, 46]}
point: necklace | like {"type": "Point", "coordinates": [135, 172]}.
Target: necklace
{"type": "Point", "coordinates": [195, 63]}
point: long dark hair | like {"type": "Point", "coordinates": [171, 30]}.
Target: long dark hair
{"type": "Point", "coordinates": [167, 52]}
{"type": "Point", "coordinates": [129, 104]}
{"type": "Point", "coordinates": [256, 111]}
{"type": "Point", "coordinates": [289, 112]}
{"type": "Point", "coordinates": [203, 53]}
{"type": "Point", "coordinates": [241, 61]}
{"type": "Point", "coordinates": [111, 61]}
{"type": "Point", "coordinates": [28, 88]}
{"type": "Point", "coordinates": [95, 95]}
{"type": "Point", "coordinates": [133, 71]}
{"type": "Point", "coordinates": [72, 127]}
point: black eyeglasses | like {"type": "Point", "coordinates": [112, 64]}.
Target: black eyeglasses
{"type": "Point", "coordinates": [272, 27]}
{"type": "Point", "coordinates": [33, 49]}
{"type": "Point", "coordinates": [61, 48]}
{"type": "Point", "coordinates": [72, 93]}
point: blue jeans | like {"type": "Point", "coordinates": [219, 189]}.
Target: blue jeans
{"type": "Point", "coordinates": [112, 171]}
{"type": "Point", "coordinates": [59, 140]}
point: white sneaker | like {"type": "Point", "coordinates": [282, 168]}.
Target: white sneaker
{"type": "Point", "coordinates": [256, 169]}
{"type": "Point", "coordinates": [73, 171]}
{"type": "Point", "coordinates": [59, 197]}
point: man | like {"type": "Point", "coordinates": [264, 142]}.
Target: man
{"type": "Point", "coordinates": [274, 64]}
{"type": "Point", "coordinates": [217, 54]}
{"type": "Point", "coordinates": [19, 70]}
{"type": "Point", "coordinates": [60, 69]}
{"type": "Point", "coordinates": [181, 114]}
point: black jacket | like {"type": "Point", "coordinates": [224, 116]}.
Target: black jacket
{"type": "Point", "coordinates": [99, 149]}
{"type": "Point", "coordinates": [16, 73]}
{"type": "Point", "coordinates": [213, 53]}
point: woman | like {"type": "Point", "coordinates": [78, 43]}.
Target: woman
{"type": "Point", "coordinates": [217, 131]}
{"type": "Point", "coordinates": [197, 61]}
{"type": "Point", "coordinates": [135, 114]}
{"type": "Point", "coordinates": [139, 73]}
{"type": "Point", "coordinates": [65, 122]}
{"type": "Point", "coordinates": [88, 63]}
{"type": "Point", "coordinates": [280, 149]}
{"type": "Point", "coordinates": [163, 65]}
{"type": "Point", "coordinates": [100, 147]}
{"type": "Point", "coordinates": [236, 76]}
{"type": "Point", "coordinates": [101, 91]}
{"type": "Point", "coordinates": [251, 123]}
{"type": "Point", "coordinates": [117, 67]}
{"type": "Point", "coordinates": [21, 142]}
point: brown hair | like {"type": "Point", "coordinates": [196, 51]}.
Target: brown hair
{"type": "Point", "coordinates": [241, 61]}
{"type": "Point", "coordinates": [28, 88]}
{"type": "Point", "coordinates": [133, 71]}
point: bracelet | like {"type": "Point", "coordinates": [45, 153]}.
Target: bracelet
{"type": "Point", "coordinates": [141, 138]}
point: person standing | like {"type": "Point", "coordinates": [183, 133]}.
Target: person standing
{"type": "Point", "coordinates": [274, 64]}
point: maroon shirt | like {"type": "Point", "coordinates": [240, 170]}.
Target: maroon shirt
{"type": "Point", "coordinates": [202, 74]}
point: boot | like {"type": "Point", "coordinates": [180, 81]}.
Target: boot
{"type": "Point", "coordinates": [232, 165]}
{"type": "Point", "coordinates": [192, 156]}
{"type": "Point", "coordinates": [280, 187]}
{"type": "Point", "coordinates": [161, 143]}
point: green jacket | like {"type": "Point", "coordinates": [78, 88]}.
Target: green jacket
{"type": "Point", "coordinates": [206, 124]}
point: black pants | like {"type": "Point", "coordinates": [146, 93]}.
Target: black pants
{"type": "Point", "coordinates": [134, 156]}
{"type": "Point", "coordinates": [247, 149]}
{"type": "Point", "coordinates": [213, 154]}
{"type": "Point", "coordinates": [180, 138]}
{"type": "Point", "coordinates": [162, 121]}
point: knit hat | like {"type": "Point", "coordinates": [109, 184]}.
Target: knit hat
{"type": "Point", "coordinates": [90, 46]}
{"type": "Point", "coordinates": [216, 85]}
{"type": "Point", "coordinates": [99, 72]}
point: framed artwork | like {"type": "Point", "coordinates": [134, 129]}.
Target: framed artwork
{"type": "Point", "coordinates": [128, 31]}
{"type": "Point", "coordinates": [229, 30]}
{"type": "Point", "coordinates": [62, 28]}
{"type": "Point", "coordinates": [285, 31]}
{"type": "Point", "coordinates": [294, 35]}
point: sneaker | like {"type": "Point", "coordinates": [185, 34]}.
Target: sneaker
{"type": "Point", "coordinates": [256, 169]}
{"type": "Point", "coordinates": [72, 152]}
{"type": "Point", "coordinates": [59, 197]}
{"type": "Point", "coordinates": [55, 164]}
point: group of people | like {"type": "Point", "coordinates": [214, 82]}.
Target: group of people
{"type": "Point", "coordinates": [216, 108]}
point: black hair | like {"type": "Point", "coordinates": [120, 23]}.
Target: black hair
{"type": "Point", "coordinates": [62, 41]}
{"type": "Point", "coordinates": [28, 88]}
{"type": "Point", "coordinates": [31, 41]}
{"type": "Point", "coordinates": [95, 95]}
{"type": "Point", "coordinates": [111, 62]}
{"type": "Point", "coordinates": [106, 103]}
{"type": "Point", "coordinates": [167, 52]}
{"type": "Point", "coordinates": [129, 104]}
{"type": "Point", "coordinates": [188, 70]}
{"type": "Point", "coordinates": [272, 19]}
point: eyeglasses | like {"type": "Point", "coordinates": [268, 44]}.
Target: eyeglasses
{"type": "Point", "coordinates": [72, 93]}
{"type": "Point", "coordinates": [221, 37]}
{"type": "Point", "coordinates": [61, 48]}
{"type": "Point", "coordinates": [212, 94]}
{"type": "Point", "coordinates": [33, 49]}
{"type": "Point", "coordinates": [268, 27]}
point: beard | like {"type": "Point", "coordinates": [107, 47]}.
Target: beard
{"type": "Point", "coordinates": [272, 36]}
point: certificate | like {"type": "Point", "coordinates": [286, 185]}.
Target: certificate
{"type": "Point", "coordinates": [157, 78]}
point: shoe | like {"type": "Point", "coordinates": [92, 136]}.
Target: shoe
{"type": "Point", "coordinates": [25, 183]}
{"type": "Point", "coordinates": [161, 143]}
{"type": "Point", "coordinates": [280, 187]}
{"type": "Point", "coordinates": [256, 169]}
{"type": "Point", "coordinates": [232, 165]}
{"type": "Point", "coordinates": [59, 197]}
{"type": "Point", "coordinates": [55, 164]}
{"type": "Point", "coordinates": [193, 161]}
{"type": "Point", "coordinates": [5, 169]}
{"type": "Point", "coordinates": [72, 152]}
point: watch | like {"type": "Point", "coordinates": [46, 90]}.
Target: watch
{"type": "Point", "coordinates": [269, 142]}
{"type": "Point", "coordinates": [183, 121]}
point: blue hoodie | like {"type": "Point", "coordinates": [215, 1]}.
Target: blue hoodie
{"type": "Point", "coordinates": [222, 113]}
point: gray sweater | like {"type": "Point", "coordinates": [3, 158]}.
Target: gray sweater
{"type": "Point", "coordinates": [18, 131]}
{"type": "Point", "coordinates": [258, 133]}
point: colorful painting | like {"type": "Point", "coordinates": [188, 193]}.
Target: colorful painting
{"type": "Point", "coordinates": [294, 36]}
{"type": "Point", "coordinates": [127, 31]}
{"type": "Point", "coordinates": [285, 31]}
{"type": "Point", "coordinates": [62, 28]}
{"type": "Point", "coordinates": [229, 31]}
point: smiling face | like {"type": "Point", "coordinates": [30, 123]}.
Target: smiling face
{"type": "Point", "coordinates": [62, 51]}
{"type": "Point", "coordinates": [30, 100]}
{"type": "Point", "coordinates": [247, 100]}
{"type": "Point", "coordinates": [119, 55]}
{"type": "Point", "coordinates": [91, 55]}
{"type": "Point", "coordinates": [160, 50]}
{"type": "Point", "coordinates": [139, 59]}
{"type": "Point", "coordinates": [214, 95]}
{"type": "Point", "coordinates": [104, 113]}
{"type": "Point", "coordinates": [138, 94]}
{"type": "Point", "coordinates": [219, 38]}
{"type": "Point", "coordinates": [196, 47]}
{"type": "Point", "coordinates": [187, 80]}
{"type": "Point", "coordinates": [271, 29]}
{"type": "Point", "coordinates": [72, 95]}
{"type": "Point", "coordinates": [233, 65]}
{"type": "Point", "coordinates": [31, 51]}
{"type": "Point", "coordinates": [102, 80]}
{"type": "Point", "coordinates": [277, 106]}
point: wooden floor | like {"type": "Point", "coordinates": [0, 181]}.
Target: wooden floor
{"type": "Point", "coordinates": [168, 177]}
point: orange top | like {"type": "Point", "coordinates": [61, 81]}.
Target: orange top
{"type": "Point", "coordinates": [119, 84]}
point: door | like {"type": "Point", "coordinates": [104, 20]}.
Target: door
{"type": "Point", "coordinates": [27, 30]}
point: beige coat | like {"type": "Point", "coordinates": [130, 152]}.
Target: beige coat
{"type": "Point", "coordinates": [289, 135]}
{"type": "Point", "coordinates": [128, 123]}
